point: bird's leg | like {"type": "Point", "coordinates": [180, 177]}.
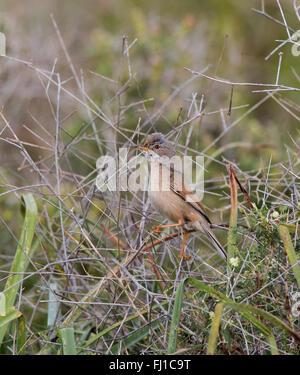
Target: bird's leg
{"type": "Point", "coordinates": [182, 255]}
{"type": "Point", "coordinates": [158, 228]}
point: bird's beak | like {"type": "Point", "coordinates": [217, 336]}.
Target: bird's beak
{"type": "Point", "coordinates": [144, 148]}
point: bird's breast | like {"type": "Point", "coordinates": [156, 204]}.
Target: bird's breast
{"type": "Point", "coordinates": [168, 204]}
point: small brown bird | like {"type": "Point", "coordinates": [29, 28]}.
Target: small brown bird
{"type": "Point", "coordinates": [176, 203]}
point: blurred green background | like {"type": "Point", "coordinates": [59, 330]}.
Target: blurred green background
{"type": "Point", "coordinates": [227, 38]}
{"type": "Point", "coordinates": [171, 35]}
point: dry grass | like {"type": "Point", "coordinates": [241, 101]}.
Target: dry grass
{"type": "Point", "coordinates": [97, 265]}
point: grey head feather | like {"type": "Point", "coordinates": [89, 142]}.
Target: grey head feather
{"type": "Point", "coordinates": [158, 143]}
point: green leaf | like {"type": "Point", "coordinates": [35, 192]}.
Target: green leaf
{"type": "Point", "coordinates": [68, 341]}
{"type": "Point", "coordinates": [273, 345]}
{"type": "Point", "coordinates": [11, 315]}
{"type": "Point", "coordinates": [2, 304]}
{"type": "Point", "coordinates": [53, 305]}
{"type": "Point", "coordinates": [289, 248]}
{"type": "Point", "coordinates": [175, 318]}
{"type": "Point", "coordinates": [133, 339]}
{"type": "Point", "coordinates": [117, 324]}
{"type": "Point", "coordinates": [214, 331]}
{"type": "Point", "coordinates": [22, 253]}
{"type": "Point", "coordinates": [244, 308]}
{"type": "Point", "coordinates": [21, 335]}
{"type": "Point", "coordinates": [227, 335]}
{"type": "Point", "coordinates": [247, 311]}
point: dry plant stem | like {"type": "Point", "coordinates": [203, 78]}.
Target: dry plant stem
{"type": "Point", "coordinates": [243, 190]}
{"type": "Point", "coordinates": [157, 242]}
{"type": "Point", "coordinates": [156, 271]}
{"type": "Point", "coordinates": [78, 309]}
{"type": "Point", "coordinates": [232, 241]}
{"type": "Point", "coordinates": [145, 247]}
{"type": "Point", "coordinates": [116, 240]}
{"type": "Point", "coordinates": [121, 244]}
{"type": "Point", "coordinates": [227, 82]}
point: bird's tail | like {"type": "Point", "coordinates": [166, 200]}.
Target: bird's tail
{"type": "Point", "coordinates": [217, 244]}
{"type": "Point", "coordinates": [220, 249]}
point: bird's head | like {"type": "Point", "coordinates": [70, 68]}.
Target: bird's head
{"type": "Point", "coordinates": [158, 144]}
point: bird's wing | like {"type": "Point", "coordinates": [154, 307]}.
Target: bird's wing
{"type": "Point", "coordinates": [185, 194]}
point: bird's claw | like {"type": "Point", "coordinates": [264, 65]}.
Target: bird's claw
{"type": "Point", "coordinates": [156, 230]}
{"type": "Point", "coordinates": [184, 257]}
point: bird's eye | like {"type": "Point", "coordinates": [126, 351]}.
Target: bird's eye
{"type": "Point", "coordinates": [156, 147]}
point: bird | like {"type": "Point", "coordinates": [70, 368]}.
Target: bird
{"type": "Point", "coordinates": [178, 204]}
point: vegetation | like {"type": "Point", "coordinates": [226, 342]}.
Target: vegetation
{"type": "Point", "coordinates": [81, 271]}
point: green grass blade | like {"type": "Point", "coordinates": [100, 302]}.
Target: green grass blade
{"type": "Point", "coordinates": [172, 343]}
{"type": "Point", "coordinates": [18, 267]}
{"type": "Point", "coordinates": [53, 305]}
{"type": "Point", "coordinates": [208, 289]}
{"type": "Point", "coordinates": [11, 315]}
{"type": "Point", "coordinates": [247, 311]}
{"type": "Point", "coordinates": [264, 329]}
{"type": "Point", "coordinates": [68, 341]}
{"type": "Point", "coordinates": [289, 248]}
{"type": "Point", "coordinates": [21, 335]}
{"type": "Point", "coordinates": [273, 345]}
{"type": "Point", "coordinates": [117, 324]}
{"type": "Point", "coordinates": [132, 339]}
{"type": "Point", "coordinates": [22, 250]}
{"type": "Point", "coordinates": [76, 311]}
{"type": "Point", "coordinates": [242, 308]}
{"type": "Point", "coordinates": [214, 331]}
{"type": "Point", "coordinates": [2, 304]}
{"type": "Point", "coordinates": [260, 325]}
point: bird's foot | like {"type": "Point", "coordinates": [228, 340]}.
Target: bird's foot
{"type": "Point", "coordinates": [184, 257]}
{"type": "Point", "coordinates": [156, 230]}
